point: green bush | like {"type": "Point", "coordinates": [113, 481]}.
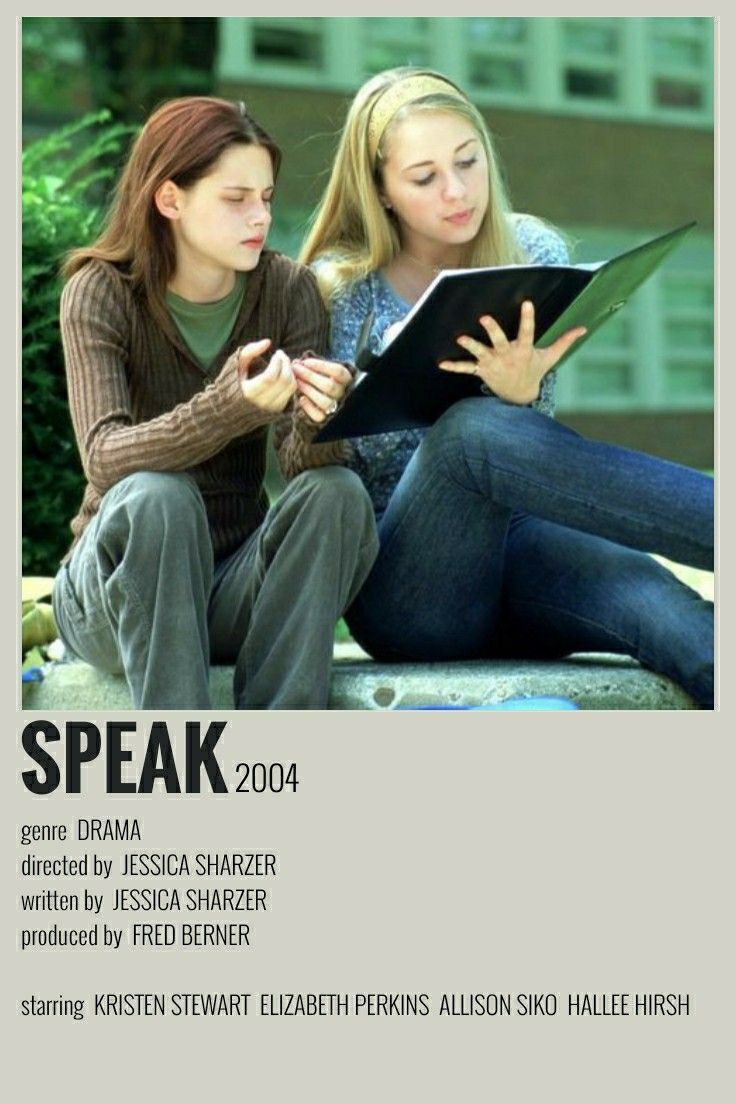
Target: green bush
{"type": "Point", "coordinates": [62, 177]}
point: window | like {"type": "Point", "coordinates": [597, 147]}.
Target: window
{"type": "Point", "coordinates": [591, 85]}
{"type": "Point", "coordinates": [679, 53]}
{"type": "Point", "coordinates": [688, 333]}
{"type": "Point", "coordinates": [592, 59]}
{"type": "Point", "coordinates": [658, 352]}
{"type": "Point", "coordinates": [604, 372]}
{"type": "Point", "coordinates": [606, 377]}
{"type": "Point", "coordinates": [648, 69]}
{"type": "Point", "coordinates": [497, 54]}
{"type": "Point", "coordinates": [593, 38]}
{"type": "Point", "coordinates": [388, 43]}
{"type": "Point", "coordinates": [289, 52]}
{"type": "Point", "coordinates": [287, 41]}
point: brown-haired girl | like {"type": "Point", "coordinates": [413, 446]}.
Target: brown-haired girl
{"type": "Point", "coordinates": [184, 341]}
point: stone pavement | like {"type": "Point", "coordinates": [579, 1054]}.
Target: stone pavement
{"type": "Point", "coordinates": [591, 681]}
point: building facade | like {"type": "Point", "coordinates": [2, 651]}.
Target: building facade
{"type": "Point", "coordinates": [605, 128]}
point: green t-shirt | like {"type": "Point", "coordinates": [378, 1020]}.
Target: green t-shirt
{"type": "Point", "coordinates": [206, 326]}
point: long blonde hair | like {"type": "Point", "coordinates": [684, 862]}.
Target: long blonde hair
{"type": "Point", "coordinates": [352, 230]}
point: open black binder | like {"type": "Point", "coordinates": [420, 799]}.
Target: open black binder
{"type": "Point", "coordinates": [403, 388]}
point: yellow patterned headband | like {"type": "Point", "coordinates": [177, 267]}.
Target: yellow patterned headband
{"type": "Point", "coordinates": [397, 96]}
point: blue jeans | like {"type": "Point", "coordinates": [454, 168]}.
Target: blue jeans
{"type": "Point", "coordinates": [511, 535]}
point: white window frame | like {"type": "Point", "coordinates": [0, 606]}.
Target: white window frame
{"type": "Point", "coordinates": [646, 317]}
{"type": "Point", "coordinates": [414, 45]}
{"type": "Point", "coordinates": [236, 55]}
{"type": "Point", "coordinates": [344, 48]}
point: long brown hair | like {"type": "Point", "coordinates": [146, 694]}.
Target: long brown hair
{"type": "Point", "coordinates": [181, 141]}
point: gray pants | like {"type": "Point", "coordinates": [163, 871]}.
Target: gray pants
{"type": "Point", "coordinates": [142, 595]}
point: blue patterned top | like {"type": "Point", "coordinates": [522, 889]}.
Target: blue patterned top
{"type": "Point", "coordinates": [380, 459]}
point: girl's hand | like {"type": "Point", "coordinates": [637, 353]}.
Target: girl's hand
{"type": "Point", "coordinates": [321, 385]}
{"type": "Point", "coordinates": [271, 390]}
{"type": "Point", "coordinates": [513, 370]}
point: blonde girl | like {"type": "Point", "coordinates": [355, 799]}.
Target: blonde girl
{"type": "Point", "coordinates": [503, 533]}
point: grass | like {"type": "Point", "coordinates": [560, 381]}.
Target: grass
{"type": "Point", "coordinates": [702, 581]}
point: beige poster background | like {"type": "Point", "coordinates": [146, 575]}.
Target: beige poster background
{"type": "Point", "coordinates": [548, 853]}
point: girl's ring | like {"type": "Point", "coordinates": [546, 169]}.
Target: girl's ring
{"type": "Point", "coordinates": [332, 407]}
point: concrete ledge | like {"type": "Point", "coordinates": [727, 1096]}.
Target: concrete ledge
{"type": "Point", "coordinates": [592, 681]}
